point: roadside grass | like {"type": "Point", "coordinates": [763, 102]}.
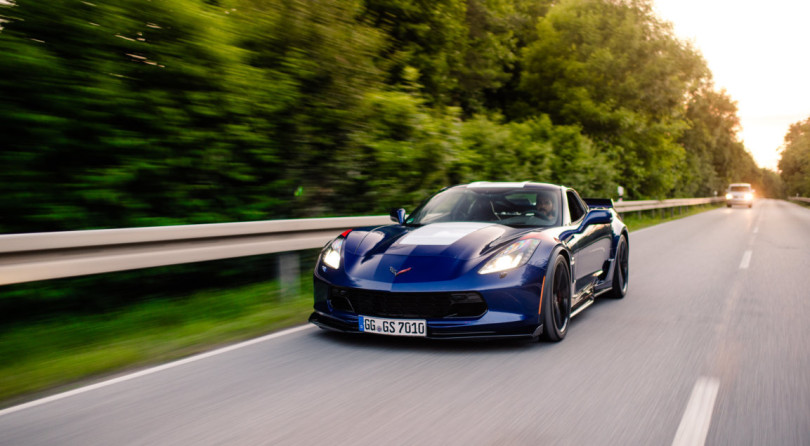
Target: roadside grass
{"type": "Point", "coordinates": [635, 222]}
{"type": "Point", "coordinates": [57, 352]}
{"type": "Point", "coordinates": [60, 352]}
{"type": "Point", "coordinates": [800, 203]}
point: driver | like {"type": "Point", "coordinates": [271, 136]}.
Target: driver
{"type": "Point", "coordinates": [545, 207]}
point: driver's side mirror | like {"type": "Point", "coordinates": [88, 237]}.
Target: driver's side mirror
{"type": "Point", "coordinates": [597, 217]}
{"type": "Point", "coordinates": [398, 215]}
{"type": "Point", "coordinates": [594, 217]}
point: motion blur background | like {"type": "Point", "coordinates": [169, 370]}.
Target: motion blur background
{"type": "Point", "coordinates": [141, 113]}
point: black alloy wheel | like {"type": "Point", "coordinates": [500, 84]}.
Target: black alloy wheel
{"type": "Point", "coordinates": [621, 271]}
{"type": "Point", "coordinates": [557, 301]}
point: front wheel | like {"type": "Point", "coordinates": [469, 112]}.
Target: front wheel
{"type": "Point", "coordinates": [556, 300]}
{"type": "Point", "coordinates": [621, 270]}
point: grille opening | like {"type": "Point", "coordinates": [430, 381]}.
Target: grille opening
{"type": "Point", "coordinates": [414, 305]}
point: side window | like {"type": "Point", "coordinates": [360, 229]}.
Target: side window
{"type": "Point", "coordinates": [575, 206]}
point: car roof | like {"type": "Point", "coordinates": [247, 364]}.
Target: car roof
{"type": "Point", "coordinates": [508, 185]}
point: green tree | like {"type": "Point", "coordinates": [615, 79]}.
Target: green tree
{"type": "Point", "coordinates": [716, 156]}
{"type": "Point", "coordinates": [494, 151]}
{"type": "Point", "coordinates": [398, 156]}
{"type": "Point", "coordinates": [795, 160]}
{"type": "Point", "coordinates": [135, 112]}
{"type": "Point", "coordinates": [428, 35]}
{"type": "Point", "coordinates": [617, 71]}
{"type": "Point", "coordinates": [113, 114]}
{"type": "Point", "coordinates": [315, 64]}
{"type": "Point", "coordinates": [770, 184]}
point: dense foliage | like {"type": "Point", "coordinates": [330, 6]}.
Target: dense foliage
{"type": "Point", "coordinates": [795, 161]}
{"type": "Point", "coordinates": [138, 113]}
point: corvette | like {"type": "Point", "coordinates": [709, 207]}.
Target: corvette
{"type": "Point", "coordinates": [478, 260]}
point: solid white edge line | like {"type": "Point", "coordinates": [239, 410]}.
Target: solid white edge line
{"type": "Point", "coordinates": [746, 259]}
{"type": "Point", "coordinates": [697, 417]}
{"type": "Point", "coordinates": [152, 370]}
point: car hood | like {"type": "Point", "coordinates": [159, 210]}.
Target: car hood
{"type": "Point", "coordinates": [430, 253]}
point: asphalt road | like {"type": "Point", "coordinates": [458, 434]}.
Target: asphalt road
{"type": "Point", "coordinates": [710, 346]}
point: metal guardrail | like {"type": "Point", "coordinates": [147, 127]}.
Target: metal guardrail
{"type": "Point", "coordinates": [53, 255]}
{"type": "Point", "coordinates": [802, 199]}
{"type": "Point", "coordinates": [649, 205]}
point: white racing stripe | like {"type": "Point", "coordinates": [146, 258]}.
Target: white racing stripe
{"type": "Point", "coordinates": [441, 234]}
{"type": "Point", "coordinates": [746, 259]}
{"type": "Point", "coordinates": [696, 419]}
{"type": "Point", "coordinates": [149, 371]}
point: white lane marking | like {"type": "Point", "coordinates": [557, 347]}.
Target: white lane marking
{"type": "Point", "coordinates": [152, 370]}
{"type": "Point", "coordinates": [746, 259]}
{"type": "Point", "coordinates": [696, 419]}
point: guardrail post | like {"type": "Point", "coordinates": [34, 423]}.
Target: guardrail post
{"type": "Point", "coordinates": [289, 274]}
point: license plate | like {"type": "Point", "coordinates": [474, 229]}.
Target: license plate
{"type": "Point", "coordinates": [393, 327]}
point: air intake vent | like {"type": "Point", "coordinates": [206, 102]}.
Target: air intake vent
{"type": "Point", "coordinates": [407, 305]}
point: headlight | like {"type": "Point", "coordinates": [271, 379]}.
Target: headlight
{"type": "Point", "coordinates": [332, 253]}
{"type": "Point", "coordinates": [729, 196]}
{"type": "Point", "coordinates": [514, 255]}
{"type": "Point", "coordinates": [749, 197]}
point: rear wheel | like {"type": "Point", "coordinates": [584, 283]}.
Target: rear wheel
{"type": "Point", "coordinates": [621, 270]}
{"type": "Point", "coordinates": [557, 300]}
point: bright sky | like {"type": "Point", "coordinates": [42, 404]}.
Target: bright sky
{"type": "Point", "coordinates": [758, 52]}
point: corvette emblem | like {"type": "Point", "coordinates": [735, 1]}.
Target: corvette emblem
{"type": "Point", "coordinates": [396, 273]}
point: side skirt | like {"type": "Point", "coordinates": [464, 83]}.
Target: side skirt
{"type": "Point", "coordinates": [583, 306]}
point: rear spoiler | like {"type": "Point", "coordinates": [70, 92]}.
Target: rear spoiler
{"type": "Point", "coordinates": [595, 203]}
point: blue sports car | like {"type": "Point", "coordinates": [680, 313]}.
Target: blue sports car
{"type": "Point", "coordinates": [478, 260]}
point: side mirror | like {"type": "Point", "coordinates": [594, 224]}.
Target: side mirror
{"type": "Point", "coordinates": [597, 217]}
{"type": "Point", "coordinates": [397, 215]}
{"type": "Point", "coordinates": [594, 217]}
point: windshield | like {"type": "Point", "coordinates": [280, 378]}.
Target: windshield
{"type": "Point", "coordinates": [740, 188]}
{"type": "Point", "coordinates": [511, 207]}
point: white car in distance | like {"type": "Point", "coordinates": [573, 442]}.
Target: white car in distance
{"type": "Point", "coordinates": [739, 193]}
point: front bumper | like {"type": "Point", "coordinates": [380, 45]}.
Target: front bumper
{"type": "Point", "coordinates": [739, 199]}
{"type": "Point", "coordinates": [511, 311]}
{"type": "Point", "coordinates": [331, 323]}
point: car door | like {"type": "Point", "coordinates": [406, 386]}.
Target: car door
{"type": "Point", "coordinates": [589, 245]}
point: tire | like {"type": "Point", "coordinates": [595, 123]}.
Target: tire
{"type": "Point", "coordinates": [621, 270]}
{"type": "Point", "coordinates": [557, 300]}
{"type": "Point", "coordinates": [728, 205]}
